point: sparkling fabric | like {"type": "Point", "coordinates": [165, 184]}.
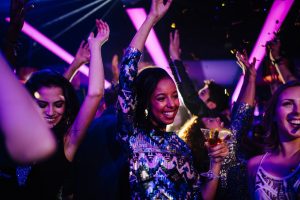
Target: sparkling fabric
{"type": "Point", "coordinates": [160, 162]}
{"type": "Point", "coordinates": [233, 181]}
{"type": "Point", "coordinates": [22, 174]}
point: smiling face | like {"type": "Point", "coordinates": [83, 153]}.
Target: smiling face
{"type": "Point", "coordinates": [52, 104]}
{"type": "Point", "coordinates": [164, 103]}
{"type": "Point", "coordinates": [288, 114]}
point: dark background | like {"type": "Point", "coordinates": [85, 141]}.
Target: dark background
{"type": "Point", "coordinates": [209, 29]}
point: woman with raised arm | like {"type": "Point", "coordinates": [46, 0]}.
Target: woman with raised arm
{"type": "Point", "coordinates": [57, 101]}
{"type": "Point", "coordinates": [160, 163]}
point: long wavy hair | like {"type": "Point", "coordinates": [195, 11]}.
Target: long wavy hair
{"type": "Point", "coordinates": [191, 134]}
{"type": "Point", "coordinates": [145, 84]}
{"type": "Point", "coordinates": [269, 129]}
{"type": "Point", "coordinates": [50, 78]}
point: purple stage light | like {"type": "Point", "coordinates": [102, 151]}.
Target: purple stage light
{"type": "Point", "coordinates": [53, 47]}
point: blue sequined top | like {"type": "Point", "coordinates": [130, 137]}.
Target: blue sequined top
{"type": "Point", "coordinates": [160, 163]}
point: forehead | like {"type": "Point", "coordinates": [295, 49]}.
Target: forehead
{"type": "Point", "coordinates": [165, 85]}
{"type": "Point", "coordinates": [290, 93]}
{"type": "Point", "coordinates": [49, 93]}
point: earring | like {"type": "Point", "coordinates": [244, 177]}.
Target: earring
{"type": "Point", "coordinates": [146, 112]}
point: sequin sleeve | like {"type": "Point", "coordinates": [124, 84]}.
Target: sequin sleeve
{"type": "Point", "coordinates": [126, 95]}
{"type": "Point", "coordinates": [242, 115]}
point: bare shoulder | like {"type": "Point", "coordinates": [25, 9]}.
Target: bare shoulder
{"type": "Point", "coordinates": [253, 164]}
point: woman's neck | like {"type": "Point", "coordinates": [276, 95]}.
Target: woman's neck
{"type": "Point", "coordinates": [289, 148]}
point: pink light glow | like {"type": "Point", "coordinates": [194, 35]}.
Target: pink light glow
{"type": "Point", "coordinates": [137, 16]}
{"type": "Point", "coordinates": [54, 48]}
{"type": "Point", "coordinates": [276, 16]}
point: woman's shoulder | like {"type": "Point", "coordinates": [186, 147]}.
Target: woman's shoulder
{"type": "Point", "coordinates": [253, 163]}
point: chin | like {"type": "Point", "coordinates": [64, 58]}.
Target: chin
{"type": "Point", "coordinates": [168, 122]}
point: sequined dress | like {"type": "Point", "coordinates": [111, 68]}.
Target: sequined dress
{"type": "Point", "coordinates": [160, 162]}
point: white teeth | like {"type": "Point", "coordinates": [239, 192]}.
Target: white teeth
{"type": "Point", "coordinates": [49, 120]}
{"type": "Point", "coordinates": [169, 114]}
{"type": "Point", "coordinates": [295, 122]}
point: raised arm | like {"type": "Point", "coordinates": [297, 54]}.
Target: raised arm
{"type": "Point", "coordinates": [243, 110]}
{"type": "Point", "coordinates": [247, 93]}
{"type": "Point", "coordinates": [280, 62]}
{"type": "Point", "coordinates": [157, 11]}
{"type": "Point", "coordinates": [27, 136]}
{"type": "Point", "coordinates": [94, 94]}
{"type": "Point", "coordinates": [185, 85]}
{"type": "Point", "coordinates": [82, 57]}
{"type": "Point", "coordinates": [129, 69]}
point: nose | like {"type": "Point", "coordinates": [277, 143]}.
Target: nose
{"type": "Point", "coordinates": [49, 110]}
{"type": "Point", "coordinates": [297, 107]}
{"type": "Point", "coordinates": [171, 103]}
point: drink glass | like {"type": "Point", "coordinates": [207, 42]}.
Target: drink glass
{"type": "Point", "coordinates": [215, 137]}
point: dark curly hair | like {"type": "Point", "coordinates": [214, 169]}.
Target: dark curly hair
{"type": "Point", "coordinates": [191, 134]}
{"type": "Point", "coordinates": [50, 78]}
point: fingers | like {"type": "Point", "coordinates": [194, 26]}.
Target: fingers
{"type": "Point", "coordinates": [91, 36]}
{"type": "Point", "coordinates": [168, 3]}
{"type": "Point", "coordinates": [218, 151]}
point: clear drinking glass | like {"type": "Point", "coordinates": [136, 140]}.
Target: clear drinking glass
{"type": "Point", "coordinates": [215, 137]}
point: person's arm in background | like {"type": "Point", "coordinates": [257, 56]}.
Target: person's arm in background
{"type": "Point", "coordinates": [27, 136]}
{"type": "Point", "coordinates": [243, 110]}
{"type": "Point", "coordinates": [95, 91]}
{"type": "Point", "coordinates": [82, 57]}
{"type": "Point", "coordinates": [18, 9]}
{"type": "Point", "coordinates": [197, 107]}
{"type": "Point", "coordinates": [185, 85]}
{"type": "Point", "coordinates": [247, 93]}
{"type": "Point", "coordinates": [279, 61]}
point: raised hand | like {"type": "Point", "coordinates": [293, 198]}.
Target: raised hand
{"type": "Point", "coordinates": [243, 62]}
{"type": "Point", "coordinates": [174, 46]}
{"type": "Point", "coordinates": [273, 49]}
{"type": "Point", "coordinates": [159, 9]}
{"type": "Point", "coordinates": [82, 57]}
{"type": "Point", "coordinates": [83, 53]}
{"type": "Point", "coordinates": [102, 35]}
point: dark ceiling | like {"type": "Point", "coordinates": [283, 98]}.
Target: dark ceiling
{"type": "Point", "coordinates": [209, 28]}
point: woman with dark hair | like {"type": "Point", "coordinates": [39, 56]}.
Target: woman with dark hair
{"type": "Point", "coordinates": [59, 107]}
{"type": "Point", "coordinates": [160, 163]}
{"type": "Point", "coordinates": [276, 174]}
